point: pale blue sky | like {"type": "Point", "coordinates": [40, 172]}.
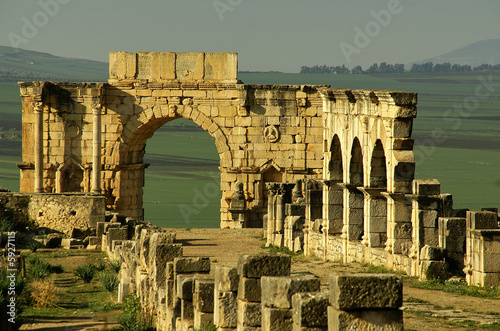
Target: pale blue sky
{"type": "Point", "coordinates": [268, 34]}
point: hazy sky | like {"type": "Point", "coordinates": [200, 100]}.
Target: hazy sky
{"type": "Point", "coordinates": [268, 34]}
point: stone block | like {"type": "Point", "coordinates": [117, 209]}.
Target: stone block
{"type": "Point", "coordinates": [275, 319]}
{"type": "Point", "coordinates": [189, 265]}
{"type": "Point", "coordinates": [481, 220]}
{"type": "Point", "coordinates": [187, 310]}
{"type": "Point", "coordinates": [120, 233]}
{"type": "Point", "coordinates": [171, 298]}
{"type": "Point", "coordinates": [256, 266]}
{"type": "Point", "coordinates": [249, 313]}
{"type": "Point", "coordinates": [434, 270]}
{"type": "Point", "coordinates": [295, 210]}
{"type": "Point", "coordinates": [93, 240]}
{"type": "Point", "coordinates": [54, 240]}
{"type": "Point", "coordinates": [161, 254]}
{"type": "Point", "coordinates": [170, 270]}
{"type": "Point", "coordinates": [426, 187]}
{"type": "Point", "coordinates": [100, 229]}
{"type": "Point", "coordinates": [373, 320]}
{"type": "Point", "coordinates": [310, 309]}
{"type": "Point", "coordinates": [428, 218]}
{"type": "Point", "coordinates": [225, 309]}
{"type": "Point", "coordinates": [277, 292]}
{"type": "Point", "coordinates": [203, 295]}
{"type": "Point", "coordinates": [226, 279]}
{"type": "Point", "coordinates": [365, 291]}
{"type": "Point", "coordinates": [432, 253]}
{"type": "Point", "coordinates": [249, 289]}
{"type": "Point", "coordinates": [202, 319]}
{"type": "Point", "coordinates": [69, 243]}
{"type": "Point", "coordinates": [185, 287]}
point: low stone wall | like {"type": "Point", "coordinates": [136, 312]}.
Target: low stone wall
{"type": "Point", "coordinates": [258, 293]}
{"type": "Point", "coordinates": [59, 212]}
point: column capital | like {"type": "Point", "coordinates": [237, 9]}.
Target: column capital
{"type": "Point", "coordinates": [38, 106]}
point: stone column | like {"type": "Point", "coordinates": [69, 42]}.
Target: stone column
{"type": "Point", "coordinates": [399, 227]}
{"type": "Point", "coordinates": [38, 108]}
{"type": "Point", "coordinates": [96, 151]}
{"type": "Point", "coordinates": [270, 213]}
{"type": "Point", "coordinates": [280, 217]}
{"type": "Point", "coordinates": [333, 205]}
{"type": "Point", "coordinates": [375, 230]}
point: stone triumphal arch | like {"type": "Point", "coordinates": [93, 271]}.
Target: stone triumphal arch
{"type": "Point", "coordinates": [91, 137]}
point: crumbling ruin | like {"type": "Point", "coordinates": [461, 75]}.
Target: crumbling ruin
{"type": "Point", "coordinates": [324, 170]}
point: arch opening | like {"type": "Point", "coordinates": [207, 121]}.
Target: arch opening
{"type": "Point", "coordinates": [181, 185]}
{"type": "Point", "coordinates": [335, 193]}
{"type": "Point", "coordinates": [377, 204]}
{"type": "Point", "coordinates": [355, 219]}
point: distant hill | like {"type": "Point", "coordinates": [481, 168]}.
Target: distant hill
{"type": "Point", "coordinates": [486, 51]}
{"type": "Point", "coordinates": [23, 65]}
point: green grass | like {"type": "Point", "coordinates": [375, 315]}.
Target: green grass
{"type": "Point", "coordinates": [460, 288]}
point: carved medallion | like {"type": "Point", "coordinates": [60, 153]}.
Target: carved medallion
{"type": "Point", "coordinates": [72, 130]}
{"type": "Point", "coordinates": [271, 134]}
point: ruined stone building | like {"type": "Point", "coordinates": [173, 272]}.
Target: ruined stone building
{"type": "Point", "coordinates": [326, 170]}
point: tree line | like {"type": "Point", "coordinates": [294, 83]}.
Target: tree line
{"type": "Point", "coordinates": [385, 68]}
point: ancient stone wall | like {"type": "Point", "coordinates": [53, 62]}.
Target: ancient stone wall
{"type": "Point", "coordinates": [258, 293]}
{"type": "Point", "coordinates": [59, 212]}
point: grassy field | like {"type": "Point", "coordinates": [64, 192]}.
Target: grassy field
{"type": "Point", "coordinates": [457, 142]}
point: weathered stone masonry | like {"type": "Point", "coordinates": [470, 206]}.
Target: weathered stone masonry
{"type": "Point", "coordinates": [263, 133]}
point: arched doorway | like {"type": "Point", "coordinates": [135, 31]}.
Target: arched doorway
{"type": "Point", "coordinates": [182, 181]}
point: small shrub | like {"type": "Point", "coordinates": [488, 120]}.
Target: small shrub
{"type": "Point", "coordinates": [86, 272]}
{"type": "Point", "coordinates": [100, 265]}
{"type": "Point", "coordinates": [43, 293]}
{"type": "Point", "coordinates": [7, 225]}
{"type": "Point", "coordinates": [133, 317]}
{"type": "Point", "coordinates": [276, 249]}
{"type": "Point", "coordinates": [33, 246]}
{"type": "Point", "coordinates": [109, 281]}
{"type": "Point", "coordinates": [37, 268]}
{"type": "Point", "coordinates": [115, 265]}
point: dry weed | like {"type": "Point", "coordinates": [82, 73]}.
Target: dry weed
{"type": "Point", "coordinates": [43, 293]}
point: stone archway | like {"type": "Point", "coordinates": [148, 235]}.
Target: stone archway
{"type": "Point", "coordinates": [253, 125]}
{"type": "Point", "coordinates": [354, 214]}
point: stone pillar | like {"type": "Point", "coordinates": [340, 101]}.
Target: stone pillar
{"type": "Point", "coordinates": [272, 188]}
{"type": "Point", "coordinates": [225, 297]}
{"type": "Point", "coordinates": [482, 267]}
{"type": "Point", "coordinates": [280, 217]}
{"type": "Point", "coordinates": [38, 108]}
{"type": "Point", "coordinates": [333, 205]}
{"type": "Point", "coordinates": [375, 215]}
{"type": "Point", "coordinates": [399, 229]}
{"type": "Point", "coordinates": [353, 213]}
{"type": "Point", "coordinates": [310, 311]}
{"type": "Point", "coordinates": [251, 268]}
{"type": "Point", "coordinates": [96, 151]}
{"type": "Point", "coordinates": [425, 212]}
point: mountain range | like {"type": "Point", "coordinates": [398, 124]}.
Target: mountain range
{"type": "Point", "coordinates": [475, 54]}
